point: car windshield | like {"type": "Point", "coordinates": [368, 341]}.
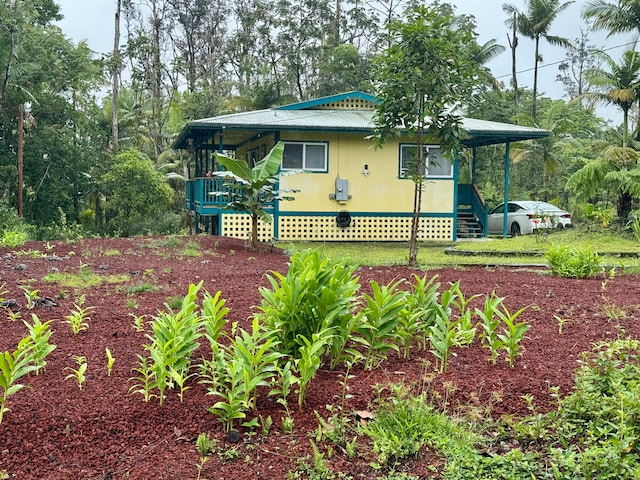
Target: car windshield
{"type": "Point", "coordinates": [531, 205]}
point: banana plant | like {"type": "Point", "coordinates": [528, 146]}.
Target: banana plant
{"type": "Point", "coordinates": [251, 190]}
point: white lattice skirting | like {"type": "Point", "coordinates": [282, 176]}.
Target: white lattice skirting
{"type": "Point", "coordinates": [324, 228]}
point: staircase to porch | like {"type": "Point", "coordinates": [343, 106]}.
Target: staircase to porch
{"type": "Point", "coordinates": [472, 212]}
{"type": "Point", "coordinates": [468, 225]}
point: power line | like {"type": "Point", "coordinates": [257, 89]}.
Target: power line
{"type": "Point", "coordinates": [561, 61]}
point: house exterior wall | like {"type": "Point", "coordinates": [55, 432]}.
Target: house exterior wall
{"type": "Point", "coordinates": [380, 203]}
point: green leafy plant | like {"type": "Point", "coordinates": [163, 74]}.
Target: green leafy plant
{"type": "Point", "coordinates": [512, 333]}
{"type": "Point", "coordinates": [257, 351]}
{"type": "Point", "coordinates": [213, 317]}
{"type": "Point", "coordinates": [288, 424]}
{"type": "Point", "coordinates": [38, 341]}
{"type": "Point", "coordinates": [634, 226]}
{"type": "Point", "coordinates": [205, 445]}
{"type": "Point", "coordinates": [310, 359]}
{"type": "Point", "coordinates": [316, 295]}
{"type": "Point", "coordinates": [179, 379]}
{"type": "Point", "coordinates": [79, 317]}
{"type": "Point", "coordinates": [132, 304]}
{"type": "Point", "coordinates": [282, 385]}
{"type": "Point", "coordinates": [110, 361]}
{"type": "Point", "coordinates": [146, 379]}
{"type": "Point", "coordinates": [138, 322]}
{"type": "Point", "coordinates": [252, 189]}
{"type": "Point", "coordinates": [173, 340]}
{"type": "Point", "coordinates": [489, 323]}
{"type": "Point", "coordinates": [465, 330]}
{"type": "Point", "coordinates": [380, 317]}
{"type": "Point", "coordinates": [572, 262]}
{"type": "Point", "coordinates": [30, 295]}
{"type": "Point", "coordinates": [78, 374]}
{"type": "Point", "coordinates": [418, 314]}
{"type": "Point", "coordinates": [266, 424]}
{"type": "Point", "coordinates": [13, 366]}
{"type": "Point", "coordinates": [230, 388]}
{"type": "Point", "coordinates": [561, 323]}
{"type": "Point", "coordinates": [404, 424]}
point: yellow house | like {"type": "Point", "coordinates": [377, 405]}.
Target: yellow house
{"type": "Point", "coordinates": [349, 190]}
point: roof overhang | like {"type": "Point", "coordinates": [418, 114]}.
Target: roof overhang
{"type": "Point", "coordinates": [237, 128]}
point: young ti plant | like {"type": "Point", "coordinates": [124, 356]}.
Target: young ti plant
{"type": "Point", "coordinates": [38, 341]}
{"type": "Point", "coordinates": [380, 316]}
{"type": "Point", "coordinates": [173, 340]}
{"type": "Point", "coordinates": [253, 190]}
{"type": "Point", "coordinates": [13, 366]}
{"type": "Point", "coordinates": [79, 318]}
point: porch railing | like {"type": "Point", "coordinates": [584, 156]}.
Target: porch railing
{"type": "Point", "coordinates": [468, 194]}
{"type": "Point", "coordinates": [207, 195]}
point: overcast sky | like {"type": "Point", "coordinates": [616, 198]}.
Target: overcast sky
{"type": "Point", "coordinates": [92, 20]}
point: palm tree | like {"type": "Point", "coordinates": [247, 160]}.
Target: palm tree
{"type": "Point", "coordinates": [620, 17]}
{"type": "Point", "coordinates": [486, 52]}
{"type": "Point", "coordinates": [616, 84]}
{"type": "Point", "coordinates": [535, 23]}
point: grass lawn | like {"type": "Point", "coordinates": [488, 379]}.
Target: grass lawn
{"type": "Point", "coordinates": [616, 250]}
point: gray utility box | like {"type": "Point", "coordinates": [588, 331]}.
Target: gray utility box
{"type": "Point", "coordinates": [342, 189]}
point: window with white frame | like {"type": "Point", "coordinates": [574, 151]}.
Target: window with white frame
{"type": "Point", "coordinates": [437, 166]}
{"type": "Point", "coordinates": [310, 156]}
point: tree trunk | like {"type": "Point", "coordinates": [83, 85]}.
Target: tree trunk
{"type": "Point", "coordinates": [115, 77]}
{"type": "Point", "coordinates": [535, 80]}
{"type": "Point", "coordinates": [417, 190]}
{"type": "Point", "coordinates": [624, 205]}
{"type": "Point", "coordinates": [254, 231]}
{"type": "Point", "coordinates": [514, 77]}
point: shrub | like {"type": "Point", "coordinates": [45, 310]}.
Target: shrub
{"type": "Point", "coordinates": [572, 262]}
{"type": "Point", "coordinates": [315, 297]}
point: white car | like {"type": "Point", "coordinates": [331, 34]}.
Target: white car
{"type": "Point", "coordinates": [525, 217]}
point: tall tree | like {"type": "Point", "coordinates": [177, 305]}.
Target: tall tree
{"type": "Point", "coordinates": [513, 45]}
{"type": "Point", "coordinates": [616, 84]}
{"type": "Point", "coordinates": [614, 173]}
{"type": "Point", "coordinates": [620, 17]}
{"type": "Point", "coordinates": [535, 23]}
{"type": "Point", "coordinates": [115, 76]}
{"type": "Point", "coordinates": [579, 60]}
{"type": "Point", "coordinates": [148, 53]}
{"type": "Point", "coordinates": [428, 69]}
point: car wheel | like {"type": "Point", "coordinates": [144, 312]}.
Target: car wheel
{"type": "Point", "coordinates": [515, 230]}
{"type": "Point", "coordinates": [560, 226]}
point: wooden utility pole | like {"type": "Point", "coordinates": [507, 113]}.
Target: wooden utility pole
{"type": "Point", "coordinates": [20, 155]}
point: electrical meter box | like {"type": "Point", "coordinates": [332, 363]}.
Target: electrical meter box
{"type": "Point", "coordinates": [342, 189]}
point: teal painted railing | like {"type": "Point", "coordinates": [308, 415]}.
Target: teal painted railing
{"type": "Point", "coordinates": [469, 194]}
{"type": "Point", "coordinates": [208, 195]}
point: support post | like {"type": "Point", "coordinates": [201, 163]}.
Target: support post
{"type": "Point", "coordinates": [506, 190]}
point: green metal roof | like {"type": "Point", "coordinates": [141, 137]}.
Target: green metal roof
{"type": "Point", "coordinates": [306, 116]}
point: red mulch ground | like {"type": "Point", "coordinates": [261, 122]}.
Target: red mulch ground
{"type": "Point", "coordinates": [57, 431]}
